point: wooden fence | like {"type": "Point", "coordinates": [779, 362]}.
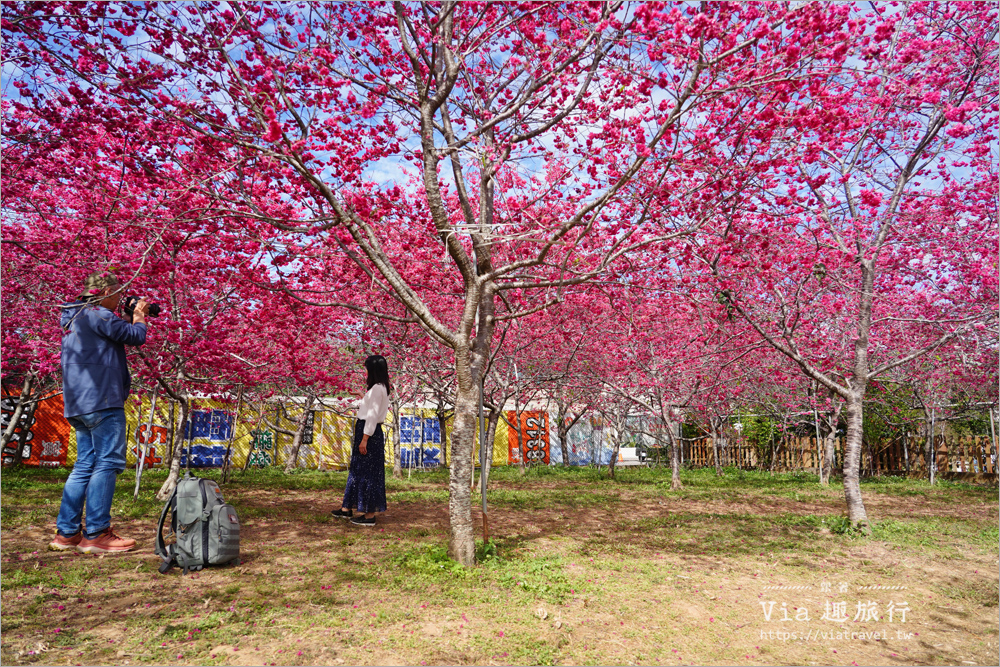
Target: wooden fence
{"type": "Point", "coordinates": [954, 456]}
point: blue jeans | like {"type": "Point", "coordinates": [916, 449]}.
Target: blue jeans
{"type": "Point", "coordinates": [100, 458]}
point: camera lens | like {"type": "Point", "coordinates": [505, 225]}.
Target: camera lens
{"type": "Point", "coordinates": [130, 302]}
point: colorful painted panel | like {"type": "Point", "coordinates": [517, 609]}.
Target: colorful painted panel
{"type": "Point", "coordinates": [42, 436]}
{"type": "Point", "coordinates": [137, 418]}
{"type": "Point", "coordinates": [156, 444]}
{"type": "Point", "coordinates": [209, 424]}
{"type": "Point", "coordinates": [261, 452]}
{"type": "Point", "coordinates": [419, 440]}
{"type": "Point", "coordinates": [587, 438]}
{"type": "Point", "coordinates": [578, 447]}
{"type": "Point", "coordinates": [531, 438]}
{"type": "Point", "coordinates": [208, 432]}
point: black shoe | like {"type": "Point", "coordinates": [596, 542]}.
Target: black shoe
{"type": "Point", "coordinates": [360, 520]}
{"type": "Point", "coordinates": [341, 514]}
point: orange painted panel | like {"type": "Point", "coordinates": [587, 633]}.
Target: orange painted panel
{"type": "Point", "coordinates": [531, 438]}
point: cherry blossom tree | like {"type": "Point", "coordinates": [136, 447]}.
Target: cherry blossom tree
{"type": "Point", "coordinates": [871, 240]}
{"type": "Point", "coordinates": [671, 357]}
{"type": "Point", "coordinates": [573, 353]}
{"type": "Point", "coordinates": [544, 142]}
{"type": "Point", "coordinates": [44, 259]}
{"type": "Point", "coordinates": [66, 215]}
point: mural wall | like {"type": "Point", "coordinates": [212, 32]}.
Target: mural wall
{"type": "Point", "coordinates": [215, 430]}
{"type": "Point", "coordinates": [420, 442]}
{"type": "Point", "coordinates": [44, 437]}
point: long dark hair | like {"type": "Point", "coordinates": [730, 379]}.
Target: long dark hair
{"type": "Point", "coordinates": [378, 372]}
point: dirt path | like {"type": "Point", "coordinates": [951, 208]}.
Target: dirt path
{"type": "Point", "coordinates": [636, 581]}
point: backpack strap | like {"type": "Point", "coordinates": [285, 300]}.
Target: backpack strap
{"type": "Point", "coordinates": [206, 513]}
{"type": "Point", "coordinates": [161, 548]}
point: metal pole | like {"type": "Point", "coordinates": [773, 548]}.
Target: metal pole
{"type": "Point", "coordinates": [482, 461]}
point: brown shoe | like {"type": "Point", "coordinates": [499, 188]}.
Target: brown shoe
{"type": "Point", "coordinates": [61, 543]}
{"type": "Point", "coordinates": [105, 542]}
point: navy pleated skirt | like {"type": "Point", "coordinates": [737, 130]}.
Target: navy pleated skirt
{"type": "Point", "coordinates": [366, 475]}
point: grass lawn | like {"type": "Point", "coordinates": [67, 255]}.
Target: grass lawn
{"type": "Point", "coordinates": [744, 569]}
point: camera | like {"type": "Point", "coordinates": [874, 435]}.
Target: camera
{"type": "Point", "coordinates": [130, 302]}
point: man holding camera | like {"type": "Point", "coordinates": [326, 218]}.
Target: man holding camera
{"type": "Point", "coordinates": [96, 382]}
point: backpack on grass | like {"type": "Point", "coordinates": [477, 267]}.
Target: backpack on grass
{"type": "Point", "coordinates": [207, 529]}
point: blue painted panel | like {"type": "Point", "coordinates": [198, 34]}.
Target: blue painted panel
{"type": "Point", "coordinates": [203, 456]}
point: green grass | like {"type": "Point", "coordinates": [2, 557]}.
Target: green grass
{"type": "Point", "coordinates": [418, 496]}
{"type": "Point", "coordinates": [550, 550]}
{"type": "Point", "coordinates": [31, 497]}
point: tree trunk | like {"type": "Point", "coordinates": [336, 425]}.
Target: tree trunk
{"type": "Point", "coordinates": [293, 458]}
{"type": "Point", "coordinates": [829, 455]}
{"type": "Point", "coordinates": [18, 411]}
{"type": "Point", "coordinates": [461, 544]}
{"type": "Point", "coordinates": [993, 429]}
{"type": "Point", "coordinates": [22, 440]}
{"type": "Point", "coordinates": [852, 463]}
{"type": "Point", "coordinates": [171, 430]}
{"type": "Point", "coordinates": [675, 458]}
{"type": "Point", "coordinates": [814, 395]}
{"type": "Point", "coordinates": [775, 452]}
{"type": "Point", "coordinates": [170, 483]}
{"type": "Point", "coordinates": [563, 443]}
{"type": "Point", "coordinates": [675, 465]}
{"type": "Point", "coordinates": [930, 455]}
{"type": "Point", "coordinates": [855, 402]}
{"type": "Point", "coordinates": [563, 429]}
{"type": "Point", "coordinates": [520, 445]}
{"type": "Point", "coordinates": [397, 470]}
{"type": "Point", "coordinates": [612, 463]}
{"type": "Point", "coordinates": [715, 446]}
{"type": "Point", "coordinates": [993, 442]}
{"type": "Point", "coordinates": [830, 440]}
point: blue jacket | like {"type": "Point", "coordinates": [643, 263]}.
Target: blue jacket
{"type": "Point", "coordinates": [94, 368]}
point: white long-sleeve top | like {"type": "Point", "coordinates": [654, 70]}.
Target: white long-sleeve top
{"type": "Point", "coordinates": [373, 407]}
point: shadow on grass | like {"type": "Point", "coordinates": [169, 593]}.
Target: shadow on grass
{"type": "Point", "coordinates": [31, 496]}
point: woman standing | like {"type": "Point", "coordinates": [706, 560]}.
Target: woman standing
{"type": "Point", "coordinates": [366, 474]}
